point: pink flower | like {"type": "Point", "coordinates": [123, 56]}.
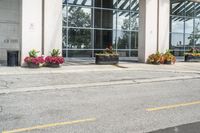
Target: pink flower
{"type": "Point", "coordinates": [54, 59]}
{"type": "Point", "coordinates": [34, 60]}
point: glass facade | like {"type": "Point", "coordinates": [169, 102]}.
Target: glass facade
{"type": "Point", "coordinates": [185, 26]}
{"type": "Point", "coordinates": [90, 26]}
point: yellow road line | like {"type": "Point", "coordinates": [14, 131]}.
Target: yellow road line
{"type": "Point", "coordinates": [173, 106]}
{"type": "Point", "coordinates": [49, 125]}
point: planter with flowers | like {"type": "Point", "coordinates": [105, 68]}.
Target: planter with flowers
{"type": "Point", "coordinates": [169, 58]}
{"type": "Point", "coordinates": [33, 60]}
{"type": "Point", "coordinates": [156, 59]}
{"type": "Point", "coordinates": [55, 59]}
{"type": "Point", "coordinates": [160, 58]}
{"type": "Point", "coordinates": [108, 57]}
{"type": "Point", "coordinates": [193, 55]}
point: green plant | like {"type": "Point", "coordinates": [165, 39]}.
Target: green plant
{"type": "Point", "coordinates": [33, 53]}
{"type": "Point", "coordinates": [55, 52]}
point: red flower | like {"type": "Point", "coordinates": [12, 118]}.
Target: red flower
{"type": "Point", "coordinates": [34, 60]}
{"type": "Point", "coordinates": [54, 59]}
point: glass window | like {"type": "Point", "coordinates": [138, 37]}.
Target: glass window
{"type": "Point", "coordinates": [177, 40]}
{"type": "Point", "coordinates": [123, 22]}
{"type": "Point", "coordinates": [134, 21]}
{"type": "Point", "coordinates": [79, 17]}
{"type": "Point", "coordinates": [197, 10]}
{"type": "Point", "coordinates": [197, 40]}
{"type": "Point", "coordinates": [178, 24]}
{"type": "Point", "coordinates": [105, 19]}
{"type": "Point", "coordinates": [197, 26]}
{"type": "Point", "coordinates": [189, 40]}
{"type": "Point", "coordinates": [106, 3]}
{"type": "Point", "coordinates": [104, 39]}
{"type": "Point", "coordinates": [189, 25]}
{"type": "Point", "coordinates": [79, 38]}
{"type": "Point", "coordinates": [109, 3]}
{"type": "Point", "coordinates": [135, 5]}
{"type": "Point", "coordinates": [80, 2]}
{"type": "Point", "coordinates": [189, 8]}
{"type": "Point", "coordinates": [80, 53]}
{"type": "Point", "coordinates": [124, 5]}
{"type": "Point", "coordinates": [90, 26]}
{"type": "Point", "coordinates": [123, 39]}
{"type": "Point", "coordinates": [178, 8]}
{"type": "Point", "coordinates": [134, 40]}
{"type": "Point", "coordinates": [64, 13]}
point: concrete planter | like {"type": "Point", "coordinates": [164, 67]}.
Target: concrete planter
{"type": "Point", "coordinates": [107, 59]}
{"type": "Point", "coordinates": [168, 62]}
{"type": "Point", "coordinates": [32, 65]}
{"type": "Point", "coordinates": [192, 58]}
{"type": "Point", "coordinates": [53, 65]}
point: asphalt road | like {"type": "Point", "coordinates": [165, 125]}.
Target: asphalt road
{"type": "Point", "coordinates": [157, 107]}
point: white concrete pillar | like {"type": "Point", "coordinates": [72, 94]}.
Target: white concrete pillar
{"type": "Point", "coordinates": [31, 26]}
{"type": "Point", "coordinates": [164, 23]}
{"type": "Point", "coordinates": [153, 34]}
{"type": "Point", "coordinates": [53, 25]}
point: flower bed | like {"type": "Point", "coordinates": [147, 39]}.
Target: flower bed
{"type": "Point", "coordinates": [160, 58]}
{"type": "Point", "coordinates": [52, 61]}
{"type": "Point", "coordinates": [193, 55]}
{"type": "Point", "coordinates": [108, 57]}
{"type": "Point", "coordinates": [34, 61]}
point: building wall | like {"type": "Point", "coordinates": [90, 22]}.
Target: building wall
{"type": "Point", "coordinates": [53, 25]}
{"type": "Point", "coordinates": [31, 26]}
{"type": "Point", "coordinates": [9, 28]}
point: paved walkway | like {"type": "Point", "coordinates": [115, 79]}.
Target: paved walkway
{"type": "Point", "coordinates": [178, 67]}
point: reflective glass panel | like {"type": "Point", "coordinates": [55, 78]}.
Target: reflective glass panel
{"type": "Point", "coordinates": [189, 40]}
{"type": "Point", "coordinates": [135, 5]}
{"type": "Point", "coordinates": [177, 40]}
{"type": "Point", "coordinates": [105, 19]}
{"type": "Point", "coordinates": [79, 17]}
{"type": "Point", "coordinates": [134, 21]}
{"type": "Point", "coordinates": [80, 53]}
{"type": "Point", "coordinates": [189, 25]}
{"type": "Point", "coordinates": [79, 38]}
{"type": "Point", "coordinates": [189, 8]}
{"type": "Point", "coordinates": [178, 8]}
{"type": "Point", "coordinates": [134, 40]}
{"type": "Point", "coordinates": [123, 22]}
{"type": "Point", "coordinates": [178, 24]}
{"type": "Point", "coordinates": [104, 39]}
{"type": "Point", "coordinates": [123, 39]}
{"type": "Point", "coordinates": [124, 5]}
{"type": "Point", "coordinates": [80, 2]}
{"type": "Point", "coordinates": [197, 26]}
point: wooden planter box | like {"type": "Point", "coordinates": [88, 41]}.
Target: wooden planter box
{"type": "Point", "coordinates": [191, 58]}
{"type": "Point", "coordinates": [107, 59]}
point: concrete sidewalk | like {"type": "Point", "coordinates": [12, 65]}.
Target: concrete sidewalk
{"type": "Point", "coordinates": [178, 67]}
{"type": "Point", "coordinates": [19, 79]}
